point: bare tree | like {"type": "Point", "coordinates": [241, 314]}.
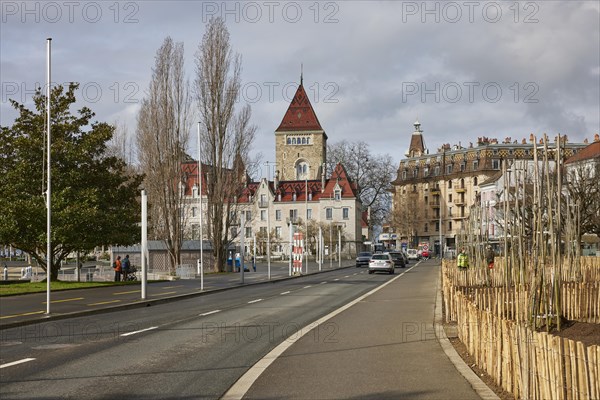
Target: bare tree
{"type": "Point", "coordinates": [162, 137]}
{"type": "Point", "coordinates": [373, 174]}
{"type": "Point", "coordinates": [226, 135]}
{"type": "Point", "coordinates": [583, 189]}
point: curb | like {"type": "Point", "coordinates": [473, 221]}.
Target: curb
{"type": "Point", "coordinates": [476, 383]}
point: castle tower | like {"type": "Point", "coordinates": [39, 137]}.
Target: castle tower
{"type": "Point", "coordinates": [417, 144]}
{"type": "Point", "coordinates": [300, 141]}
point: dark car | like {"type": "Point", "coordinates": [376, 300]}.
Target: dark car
{"type": "Point", "coordinates": [363, 258]}
{"type": "Point", "coordinates": [398, 258]}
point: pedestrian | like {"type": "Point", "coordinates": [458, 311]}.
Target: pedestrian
{"type": "Point", "coordinates": [254, 263]}
{"type": "Point", "coordinates": [125, 266]}
{"type": "Point", "coordinates": [117, 267]}
{"type": "Point", "coordinates": [489, 257]}
{"type": "Point", "coordinates": [462, 260]}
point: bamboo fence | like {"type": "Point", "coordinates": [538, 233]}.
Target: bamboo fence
{"type": "Point", "coordinates": [528, 364]}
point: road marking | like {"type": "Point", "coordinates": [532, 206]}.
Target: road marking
{"type": "Point", "coordinates": [306, 287]}
{"type": "Point", "coordinates": [336, 279]}
{"type": "Point", "coordinates": [243, 384]}
{"type": "Point", "coordinates": [286, 292]}
{"type": "Point", "coordinates": [22, 315]}
{"type": "Point", "coordinates": [140, 331]}
{"type": "Point", "coordinates": [104, 302]}
{"type": "Point", "coordinates": [347, 276]}
{"type": "Point", "coordinates": [322, 283]}
{"type": "Point", "coordinates": [163, 294]}
{"type": "Point", "coordinates": [209, 313]}
{"type": "Point", "coordinates": [131, 291]}
{"type": "Point", "coordinates": [172, 287]}
{"type": "Point", "coordinates": [254, 301]}
{"type": "Point", "coordinates": [10, 364]}
{"type": "Point", "coordinates": [65, 300]}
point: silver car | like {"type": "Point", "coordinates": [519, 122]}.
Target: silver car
{"type": "Point", "coordinates": [381, 262]}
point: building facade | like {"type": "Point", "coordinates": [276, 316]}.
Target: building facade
{"type": "Point", "coordinates": [434, 193]}
{"type": "Point", "coordinates": [300, 197]}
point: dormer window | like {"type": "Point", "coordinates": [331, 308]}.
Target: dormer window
{"type": "Point", "coordinates": [337, 194]}
{"type": "Point", "coordinates": [294, 196]}
{"type": "Point", "coordinates": [310, 196]}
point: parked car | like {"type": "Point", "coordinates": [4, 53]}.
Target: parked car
{"type": "Point", "coordinates": [413, 254]}
{"type": "Point", "coordinates": [425, 254]}
{"type": "Point", "coordinates": [363, 258]}
{"type": "Point", "coordinates": [381, 262]}
{"type": "Point", "coordinates": [398, 258]}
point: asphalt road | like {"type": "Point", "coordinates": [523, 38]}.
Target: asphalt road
{"type": "Point", "coordinates": [382, 346]}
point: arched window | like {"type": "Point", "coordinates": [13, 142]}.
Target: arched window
{"type": "Point", "coordinates": [294, 141]}
{"type": "Point", "coordinates": [450, 184]}
{"type": "Point", "coordinates": [475, 181]}
{"type": "Point", "coordinates": [289, 141]}
{"type": "Point", "coordinates": [307, 140]}
{"type": "Point", "coordinates": [303, 140]}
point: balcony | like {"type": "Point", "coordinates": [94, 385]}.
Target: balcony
{"type": "Point", "coordinates": [459, 202]}
{"type": "Point", "coordinates": [435, 191]}
{"type": "Point", "coordinates": [460, 190]}
{"type": "Point", "coordinates": [434, 204]}
{"type": "Point", "coordinates": [263, 204]}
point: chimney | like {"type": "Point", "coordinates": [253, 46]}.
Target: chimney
{"type": "Point", "coordinates": [596, 138]}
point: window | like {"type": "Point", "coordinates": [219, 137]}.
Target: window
{"type": "Point", "coordinates": [233, 231]}
{"type": "Point", "coordinates": [278, 215]}
{"type": "Point", "coordinates": [294, 196]}
{"type": "Point", "coordinates": [232, 216]}
{"type": "Point", "coordinates": [450, 225]}
{"type": "Point", "coordinates": [263, 215]}
{"type": "Point", "coordinates": [415, 172]}
{"type": "Point", "coordinates": [263, 200]}
{"type": "Point", "coordinates": [450, 184]}
{"type": "Point", "coordinates": [307, 140]}
{"type": "Point", "coordinates": [426, 202]}
{"type": "Point", "coordinates": [263, 231]}
{"type": "Point", "coordinates": [450, 198]}
{"type": "Point", "coordinates": [426, 228]}
{"type": "Point", "coordinates": [293, 215]}
{"type": "Point", "coordinates": [248, 215]}
{"type": "Point", "coordinates": [449, 169]}
{"type": "Point", "coordinates": [450, 211]}
{"type": "Point", "coordinates": [278, 231]}
{"type": "Point", "coordinates": [329, 213]}
{"type": "Point", "coordinates": [475, 165]}
{"type": "Point", "coordinates": [337, 195]}
{"type": "Point", "coordinates": [289, 141]}
{"type": "Point", "coordinates": [425, 171]}
{"type": "Point", "coordinates": [495, 164]}
{"type": "Point", "coordinates": [475, 181]}
{"type": "Point", "coordinates": [437, 170]}
{"type": "Point", "coordinates": [437, 226]}
{"type": "Point", "coordinates": [303, 140]}
{"type": "Point", "coordinates": [193, 211]}
{"type": "Point", "coordinates": [404, 174]}
{"type": "Point", "coordinates": [248, 232]}
{"type": "Point", "coordinates": [462, 167]}
{"type": "Point", "coordinates": [309, 213]}
{"type": "Point", "coordinates": [345, 213]}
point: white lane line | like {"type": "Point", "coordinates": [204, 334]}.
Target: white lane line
{"type": "Point", "coordinates": [323, 282]}
{"type": "Point", "coordinates": [209, 313]}
{"type": "Point", "coordinates": [241, 387]}
{"type": "Point", "coordinates": [347, 276]}
{"type": "Point", "coordinates": [140, 331]}
{"type": "Point", "coordinates": [288, 292]}
{"type": "Point", "coordinates": [254, 301]}
{"type": "Point", "coordinates": [336, 279]}
{"type": "Point", "coordinates": [306, 287]}
{"type": "Point", "coordinates": [10, 364]}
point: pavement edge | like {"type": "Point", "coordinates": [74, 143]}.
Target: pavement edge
{"type": "Point", "coordinates": [476, 383]}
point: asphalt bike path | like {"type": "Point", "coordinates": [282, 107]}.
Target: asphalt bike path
{"type": "Point", "coordinates": [384, 345]}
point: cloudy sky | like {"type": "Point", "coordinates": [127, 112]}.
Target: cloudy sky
{"type": "Point", "coordinates": [465, 69]}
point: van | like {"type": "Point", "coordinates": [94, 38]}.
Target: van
{"type": "Point", "coordinates": [413, 254]}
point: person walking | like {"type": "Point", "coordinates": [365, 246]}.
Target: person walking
{"type": "Point", "coordinates": [462, 261]}
{"type": "Point", "coordinates": [117, 268]}
{"type": "Point", "coordinates": [125, 266]}
{"type": "Point", "coordinates": [489, 257]}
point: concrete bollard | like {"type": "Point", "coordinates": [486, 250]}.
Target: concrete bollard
{"type": "Point", "coordinates": [5, 273]}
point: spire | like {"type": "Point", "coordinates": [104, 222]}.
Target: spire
{"type": "Point", "coordinates": [301, 73]}
{"type": "Point", "coordinates": [300, 115]}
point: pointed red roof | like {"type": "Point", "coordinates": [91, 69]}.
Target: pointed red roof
{"type": "Point", "coordinates": [300, 115]}
{"type": "Point", "coordinates": [340, 177]}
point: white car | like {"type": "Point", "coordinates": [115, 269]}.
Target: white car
{"type": "Point", "coordinates": [381, 262]}
{"type": "Point", "coordinates": [413, 254]}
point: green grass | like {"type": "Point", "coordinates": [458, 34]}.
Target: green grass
{"type": "Point", "coordinates": [39, 287]}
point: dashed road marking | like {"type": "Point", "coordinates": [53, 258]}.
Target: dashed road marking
{"type": "Point", "coordinates": [10, 364]}
{"type": "Point", "coordinates": [131, 291]}
{"type": "Point", "coordinates": [306, 287]}
{"type": "Point", "coordinates": [254, 301]}
{"type": "Point", "coordinates": [104, 302]}
{"type": "Point", "coordinates": [288, 292]}
{"type": "Point", "coordinates": [140, 331]}
{"type": "Point", "coordinates": [22, 315]}
{"type": "Point", "coordinates": [209, 313]}
{"type": "Point", "coordinates": [65, 300]}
